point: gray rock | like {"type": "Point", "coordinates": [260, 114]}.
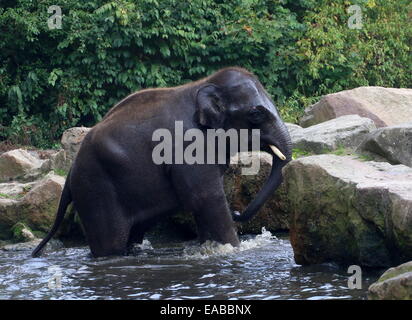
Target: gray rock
{"type": "Point", "coordinates": [15, 189]}
{"type": "Point", "coordinates": [348, 211]}
{"type": "Point", "coordinates": [39, 205]}
{"type": "Point", "coordinates": [393, 143]}
{"type": "Point", "coordinates": [27, 234]}
{"type": "Point", "coordinates": [71, 142]}
{"type": "Point", "coordinates": [18, 164]}
{"type": "Point", "coordinates": [22, 233]}
{"type": "Point", "coordinates": [394, 284]}
{"type": "Point", "coordinates": [60, 161]}
{"type": "Point", "coordinates": [52, 245]}
{"type": "Point", "coordinates": [36, 208]}
{"type": "Point", "coordinates": [347, 131]}
{"type": "Point", "coordinates": [385, 106]}
{"type": "Point", "coordinates": [293, 128]}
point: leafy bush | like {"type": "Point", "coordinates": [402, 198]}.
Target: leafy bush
{"type": "Point", "coordinates": [300, 49]}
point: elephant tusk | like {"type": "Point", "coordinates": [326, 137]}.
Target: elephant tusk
{"type": "Point", "coordinates": [277, 152]}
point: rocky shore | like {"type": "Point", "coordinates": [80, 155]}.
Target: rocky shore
{"type": "Point", "coordinates": [346, 196]}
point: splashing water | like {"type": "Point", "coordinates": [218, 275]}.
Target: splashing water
{"type": "Point", "coordinates": [211, 248]}
{"type": "Point", "coordinates": [145, 245]}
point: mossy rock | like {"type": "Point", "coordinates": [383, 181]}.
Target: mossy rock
{"type": "Point", "coordinates": [22, 233]}
{"type": "Point", "coordinates": [394, 284]}
{"type": "Point", "coordinates": [36, 210]}
{"type": "Point", "coordinates": [348, 211]}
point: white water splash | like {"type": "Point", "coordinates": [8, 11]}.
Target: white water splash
{"type": "Point", "coordinates": [212, 248]}
{"type": "Point", "coordinates": [145, 245]}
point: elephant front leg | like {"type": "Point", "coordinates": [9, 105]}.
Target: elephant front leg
{"type": "Point", "coordinates": [214, 220]}
{"type": "Point", "coordinates": [200, 190]}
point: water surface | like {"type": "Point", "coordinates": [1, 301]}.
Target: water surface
{"type": "Point", "coordinates": [262, 268]}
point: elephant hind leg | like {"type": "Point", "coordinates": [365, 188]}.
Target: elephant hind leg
{"type": "Point", "coordinates": [106, 226]}
{"type": "Point", "coordinates": [112, 242]}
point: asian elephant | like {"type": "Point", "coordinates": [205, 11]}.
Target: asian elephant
{"type": "Point", "coordinates": [118, 190]}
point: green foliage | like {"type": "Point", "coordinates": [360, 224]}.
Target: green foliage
{"type": "Point", "coordinates": [338, 57]}
{"type": "Point", "coordinates": [51, 80]}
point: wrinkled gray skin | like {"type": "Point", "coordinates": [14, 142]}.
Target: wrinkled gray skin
{"type": "Point", "coordinates": [119, 193]}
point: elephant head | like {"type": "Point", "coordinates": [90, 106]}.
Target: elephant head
{"type": "Point", "coordinates": [234, 98]}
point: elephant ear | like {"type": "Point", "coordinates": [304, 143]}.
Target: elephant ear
{"type": "Point", "coordinates": [209, 107]}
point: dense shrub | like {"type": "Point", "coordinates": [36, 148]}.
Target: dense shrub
{"type": "Point", "coordinates": [300, 49]}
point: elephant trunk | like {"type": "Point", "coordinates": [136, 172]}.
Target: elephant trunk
{"type": "Point", "coordinates": [274, 180]}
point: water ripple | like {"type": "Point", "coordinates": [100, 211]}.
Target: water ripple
{"type": "Point", "coordinates": [261, 268]}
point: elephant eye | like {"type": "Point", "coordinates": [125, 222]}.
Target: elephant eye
{"type": "Point", "coordinates": [256, 116]}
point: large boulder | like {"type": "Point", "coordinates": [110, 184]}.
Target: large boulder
{"type": "Point", "coordinates": [393, 143]}
{"type": "Point", "coordinates": [34, 204]}
{"type": "Point", "coordinates": [348, 211]}
{"type": "Point", "coordinates": [385, 106]}
{"type": "Point", "coordinates": [18, 164]}
{"type": "Point", "coordinates": [71, 141]}
{"type": "Point", "coordinates": [39, 205]}
{"type": "Point", "coordinates": [394, 284]}
{"type": "Point", "coordinates": [52, 245]}
{"type": "Point", "coordinates": [346, 131]}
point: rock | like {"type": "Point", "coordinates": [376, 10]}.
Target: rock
{"type": "Point", "coordinates": [39, 205]}
{"type": "Point", "coordinates": [30, 245]}
{"type": "Point", "coordinates": [385, 106]}
{"type": "Point", "coordinates": [35, 203]}
{"type": "Point", "coordinates": [18, 164]}
{"type": "Point", "coordinates": [52, 245]}
{"type": "Point", "coordinates": [43, 154]}
{"type": "Point", "coordinates": [59, 161]}
{"type": "Point", "coordinates": [8, 207]}
{"type": "Point", "coordinates": [393, 143]}
{"type": "Point", "coordinates": [37, 208]}
{"type": "Point", "coordinates": [293, 128]}
{"type": "Point", "coordinates": [46, 156]}
{"type": "Point", "coordinates": [71, 141]}
{"type": "Point", "coordinates": [348, 211]}
{"type": "Point", "coordinates": [15, 189]}
{"type": "Point", "coordinates": [347, 131]}
{"type": "Point", "coordinates": [22, 233]}
{"type": "Point", "coordinates": [394, 284]}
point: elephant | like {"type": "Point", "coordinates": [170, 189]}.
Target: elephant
{"type": "Point", "coordinates": [119, 192]}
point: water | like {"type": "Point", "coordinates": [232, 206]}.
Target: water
{"type": "Point", "coordinates": [261, 268]}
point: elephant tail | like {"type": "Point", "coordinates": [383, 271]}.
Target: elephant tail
{"type": "Point", "coordinates": [65, 200]}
